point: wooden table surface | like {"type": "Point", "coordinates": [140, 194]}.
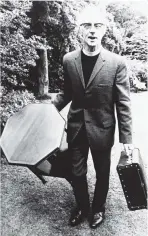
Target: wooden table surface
{"type": "Point", "coordinates": [32, 133]}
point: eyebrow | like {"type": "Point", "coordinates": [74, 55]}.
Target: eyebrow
{"type": "Point", "coordinates": [88, 23]}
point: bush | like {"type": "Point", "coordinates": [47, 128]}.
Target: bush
{"type": "Point", "coordinates": [19, 46]}
{"type": "Point", "coordinates": [12, 102]}
{"type": "Point", "coordinates": [138, 70]}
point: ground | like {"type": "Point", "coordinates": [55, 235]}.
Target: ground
{"type": "Point", "coordinates": [29, 208]}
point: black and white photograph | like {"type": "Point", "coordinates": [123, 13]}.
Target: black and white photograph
{"type": "Point", "coordinates": [74, 118]}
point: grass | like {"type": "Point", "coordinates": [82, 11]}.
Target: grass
{"type": "Point", "coordinates": [29, 208]}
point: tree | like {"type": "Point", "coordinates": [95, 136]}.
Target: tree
{"type": "Point", "coordinates": [18, 50]}
{"type": "Point", "coordinates": [128, 22]}
{"type": "Point", "coordinates": [137, 44]}
{"type": "Point", "coordinates": [19, 54]}
{"type": "Point", "coordinates": [55, 21]}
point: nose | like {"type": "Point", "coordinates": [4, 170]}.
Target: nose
{"type": "Point", "coordinates": [92, 29]}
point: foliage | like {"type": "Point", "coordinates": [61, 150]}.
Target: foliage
{"type": "Point", "coordinates": [18, 49]}
{"type": "Point", "coordinates": [112, 40]}
{"type": "Point", "coordinates": [139, 70]}
{"type": "Point", "coordinates": [12, 102]}
{"type": "Point", "coordinates": [56, 22]}
{"type": "Point", "coordinates": [130, 28]}
{"type": "Point", "coordinates": [137, 44]}
{"type": "Point", "coordinates": [129, 23]}
{"type": "Point", "coordinates": [126, 18]}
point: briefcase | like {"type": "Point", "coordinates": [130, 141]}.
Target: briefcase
{"type": "Point", "coordinates": [133, 180]}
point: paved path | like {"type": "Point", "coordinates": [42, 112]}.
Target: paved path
{"type": "Point", "coordinates": [140, 122]}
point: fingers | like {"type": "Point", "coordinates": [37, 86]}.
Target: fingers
{"type": "Point", "coordinates": [128, 148]}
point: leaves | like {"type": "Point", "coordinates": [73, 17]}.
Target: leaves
{"type": "Point", "coordinates": [12, 102]}
{"type": "Point", "coordinates": [128, 22]}
{"type": "Point", "coordinates": [18, 49]}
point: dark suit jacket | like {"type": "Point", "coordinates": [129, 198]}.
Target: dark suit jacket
{"type": "Point", "coordinates": [94, 105]}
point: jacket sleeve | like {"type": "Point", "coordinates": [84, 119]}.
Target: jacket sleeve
{"type": "Point", "coordinates": [123, 104]}
{"type": "Point", "coordinates": [65, 96]}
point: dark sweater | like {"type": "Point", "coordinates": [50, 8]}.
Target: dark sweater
{"type": "Point", "coordinates": [88, 63]}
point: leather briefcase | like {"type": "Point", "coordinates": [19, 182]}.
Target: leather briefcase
{"type": "Point", "coordinates": [133, 180]}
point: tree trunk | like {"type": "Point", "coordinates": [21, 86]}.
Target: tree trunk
{"type": "Point", "coordinates": [113, 48]}
{"type": "Point", "coordinates": [43, 72]}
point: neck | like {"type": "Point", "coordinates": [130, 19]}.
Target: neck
{"type": "Point", "coordinates": [91, 51]}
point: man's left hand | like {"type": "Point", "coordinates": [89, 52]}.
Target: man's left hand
{"type": "Point", "coordinates": [128, 148]}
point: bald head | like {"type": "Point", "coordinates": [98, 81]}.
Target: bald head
{"type": "Point", "coordinates": [93, 14]}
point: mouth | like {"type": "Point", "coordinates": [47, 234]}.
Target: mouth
{"type": "Point", "coordinates": [92, 37]}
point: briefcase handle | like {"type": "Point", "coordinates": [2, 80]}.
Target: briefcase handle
{"type": "Point", "coordinates": [134, 155]}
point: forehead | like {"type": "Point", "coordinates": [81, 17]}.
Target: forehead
{"type": "Point", "coordinates": [93, 20]}
{"type": "Point", "coordinates": [92, 15]}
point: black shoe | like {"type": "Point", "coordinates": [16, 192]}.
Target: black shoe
{"type": "Point", "coordinates": [77, 218]}
{"type": "Point", "coordinates": [97, 219]}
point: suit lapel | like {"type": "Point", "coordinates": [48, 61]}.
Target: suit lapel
{"type": "Point", "coordinates": [78, 64]}
{"type": "Point", "coordinates": [98, 66]}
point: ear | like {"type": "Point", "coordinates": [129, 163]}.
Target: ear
{"type": "Point", "coordinates": [79, 34]}
{"type": "Point", "coordinates": [104, 29]}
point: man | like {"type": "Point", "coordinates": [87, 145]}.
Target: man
{"type": "Point", "coordinates": [95, 80]}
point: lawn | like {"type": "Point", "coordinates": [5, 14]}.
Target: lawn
{"type": "Point", "coordinates": [29, 208]}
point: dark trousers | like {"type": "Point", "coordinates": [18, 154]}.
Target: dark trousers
{"type": "Point", "coordinates": [79, 153]}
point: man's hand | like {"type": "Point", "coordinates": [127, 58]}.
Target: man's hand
{"type": "Point", "coordinates": [128, 148]}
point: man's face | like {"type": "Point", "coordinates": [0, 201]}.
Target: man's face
{"type": "Point", "coordinates": [92, 33]}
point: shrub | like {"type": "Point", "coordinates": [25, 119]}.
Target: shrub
{"type": "Point", "coordinates": [139, 70]}
{"type": "Point", "coordinates": [12, 102]}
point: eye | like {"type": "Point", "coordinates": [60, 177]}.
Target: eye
{"type": "Point", "coordinates": [98, 25]}
{"type": "Point", "coordinates": [86, 25]}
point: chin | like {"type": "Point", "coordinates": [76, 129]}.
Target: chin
{"type": "Point", "coordinates": [92, 45]}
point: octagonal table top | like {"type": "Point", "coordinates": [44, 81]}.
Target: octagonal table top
{"type": "Point", "coordinates": [32, 134]}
